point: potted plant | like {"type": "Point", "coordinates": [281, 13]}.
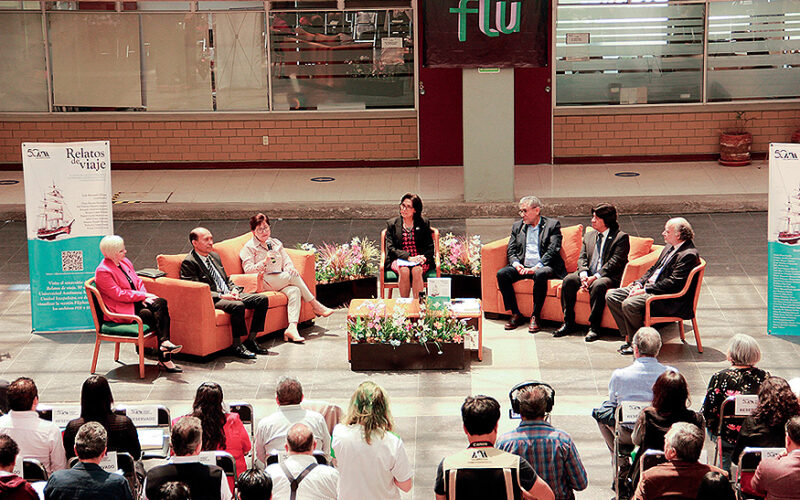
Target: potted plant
{"type": "Point", "coordinates": [345, 271]}
{"type": "Point", "coordinates": [435, 340]}
{"type": "Point", "coordinates": [735, 143]}
{"type": "Point", "coordinates": [460, 260]}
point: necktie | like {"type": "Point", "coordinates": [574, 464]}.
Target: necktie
{"type": "Point", "coordinates": [594, 266]}
{"type": "Point", "coordinates": [221, 286]}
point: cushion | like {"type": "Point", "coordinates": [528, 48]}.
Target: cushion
{"type": "Point", "coordinates": [391, 276]}
{"type": "Point", "coordinates": [639, 247]}
{"type": "Point", "coordinates": [228, 251]}
{"type": "Point", "coordinates": [571, 241]}
{"type": "Point", "coordinates": [171, 264]}
{"type": "Point", "coordinates": [122, 329]}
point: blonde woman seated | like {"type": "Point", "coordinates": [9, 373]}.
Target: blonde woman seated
{"type": "Point", "coordinates": [267, 257]}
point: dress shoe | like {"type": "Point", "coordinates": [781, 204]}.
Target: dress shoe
{"type": "Point", "coordinates": [252, 346]}
{"type": "Point", "coordinates": [240, 351]}
{"type": "Point", "coordinates": [565, 329]}
{"type": "Point", "coordinates": [171, 368]}
{"type": "Point", "coordinates": [591, 335]}
{"type": "Point", "coordinates": [534, 326]}
{"type": "Point", "coordinates": [626, 349]}
{"type": "Point", "coordinates": [170, 348]}
{"type": "Point", "coordinates": [515, 321]}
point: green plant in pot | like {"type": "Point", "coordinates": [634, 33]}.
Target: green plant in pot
{"type": "Point", "coordinates": [735, 143]}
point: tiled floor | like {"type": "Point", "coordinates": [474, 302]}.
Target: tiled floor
{"type": "Point", "coordinates": [425, 404]}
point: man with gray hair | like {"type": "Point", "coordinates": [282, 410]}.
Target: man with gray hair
{"type": "Point", "coordinates": [667, 275]}
{"type": "Point", "coordinates": [299, 475]}
{"type": "Point", "coordinates": [86, 480]}
{"type": "Point", "coordinates": [534, 252]}
{"type": "Point", "coordinates": [272, 429]}
{"type": "Point", "coordinates": [632, 383]}
{"type": "Point", "coordinates": [681, 476]}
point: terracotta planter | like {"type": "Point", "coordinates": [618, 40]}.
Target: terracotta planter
{"type": "Point", "coordinates": [342, 292]}
{"type": "Point", "coordinates": [368, 357]}
{"type": "Point", "coordinates": [734, 149]}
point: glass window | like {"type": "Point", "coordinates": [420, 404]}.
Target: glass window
{"type": "Point", "coordinates": [342, 60]}
{"type": "Point", "coordinates": [4, 5]}
{"type": "Point", "coordinates": [753, 50]}
{"type": "Point", "coordinates": [629, 54]}
{"type": "Point", "coordinates": [218, 6]}
{"type": "Point", "coordinates": [241, 62]}
{"type": "Point", "coordinates": [22, 48]}
{"type": "Point", "coordinates": [95, 61]}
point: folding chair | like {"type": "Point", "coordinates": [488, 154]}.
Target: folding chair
{"type": "Point", "coordinates": [625, 415]}
{"type": "Point", "coordinates": [245, 412]}
{"type": "Point", "coordinates": [33, 470]}
{"type": "Point", "coordinates": [732, 412]}
{"type": "Point", "coordinates": [319, 456]}
{"type": "Point", "coordinates": [227, 463]}
{"type": "Point", "coordinates": [651, 458]}
{"type": "Point", "coordinates": [748, 463]}
{"type": "Point", "coordinates": [147, 430]}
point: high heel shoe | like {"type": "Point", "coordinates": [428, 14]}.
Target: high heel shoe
{"type": "Point", "coordinates": [170, 369]}
{"type": "Point", "coordinates": [320, 309]}
{"type": "Point", "coordinates": [292, 335]}
{"type": "Point", "coordinates": [170, 349]}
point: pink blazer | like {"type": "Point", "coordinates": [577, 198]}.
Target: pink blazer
{"type": "Point", "coordinates": [115, 289]}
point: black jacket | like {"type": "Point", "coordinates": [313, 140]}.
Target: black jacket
{"type": "Point", "coordinates": [194, 269]}
{"type": "Point", "coordinates": [549, 244]}
{"type": "Point", "coordinates": [423, 239]}
{"type": "Point", "coordinates": [615, 253]}
{"type": "Point", "coordinates": [672, 280]}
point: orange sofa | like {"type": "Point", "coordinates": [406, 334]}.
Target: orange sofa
{"type": "Point", "coordinates": [203, 330]}
{"type": "Point", "coordinates": [494, 257]}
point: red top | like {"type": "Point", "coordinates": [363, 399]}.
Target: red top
{"type": "Point", "coordinates": [411, 247]}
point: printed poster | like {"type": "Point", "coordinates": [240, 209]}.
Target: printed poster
{"type": "Point", "coordinates": [783, 243]}
{"type": "Point", "coordinates": [68, 211]}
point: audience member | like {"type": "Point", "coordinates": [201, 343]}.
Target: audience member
{"type": "Point", "coordinates": [3, 397]}
{"type": "Point", "coordinates": [254, 484]}
{"type": "Point", "coordinates": [534, 252]}
{"type": "Point", "coordinates": [203, 264]}
{"type": "Point", "coordinates": [632, 383]}
{"type": "Point", "coordinates": [267, 257]}
{"type": "Point", "coordinates": [742, 377]}
{"type": "Point", "coordinates": [271, 431]}
{"type": "Point", "coordinates": [479, 468]}
{"type": "Point", "coordinates": [715, 486]}
{"type": "Point", "coordinates": [550, 451]}
{"type": "Point", "coordinates": [205, 482]}
{"type": "Point", "coordinates": [409, 238]}
{"type": "Point", "coordinates": [603, 257]}
{"type": "Point", "coordinates": [668, 275]}
{"type": "Point", "coordinates": [174, 490]}
{"type": "Point", "coordinates": [371, 459]}
{"type": "Point", "coordinates": [681, 475]}
{"type": "Point", "coordinates": [670, 405]}
{"type": "Point", "coordinates": [299, 475]}
{"type": "Point", "coordinates": [35, 437]}
{"type": "Point", "coordinates": [765, 427]}
{"type": "Point", "coordinates": [96, 401]}
{"type": "Point", "coordinates": [221, 430]}
{"type": "Point", "coordinates": [778, 478]}
{"type": "Point", "coordinates": [12, 487]}
{"type": "Point", "coordinates": [86, 480]}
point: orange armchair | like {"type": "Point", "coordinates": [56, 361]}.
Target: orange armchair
{"type": "Point", "coordinates": [695, 279]}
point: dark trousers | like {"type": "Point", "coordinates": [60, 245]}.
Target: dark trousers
{"type": "Point", "coordinates": [628, 312]}
{"type": "Point", "coordinates": [156, 316]}
{"type": "Point", "coordinates": [597, 298]}
{"type": "Point", "coordinates": [506, 278]}
{"type": "Point", "coordinates": [236, 308]}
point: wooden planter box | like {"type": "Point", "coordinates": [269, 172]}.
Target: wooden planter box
{"type": "Point", "coordinates": [369, 357]}
{"type": "Point", "coordinates": [464, 286]}
{"type": "Point", "coordinates": [341, 292]}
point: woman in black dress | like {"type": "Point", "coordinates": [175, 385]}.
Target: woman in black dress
{"type": "Point", "coordinates": [409, 246]}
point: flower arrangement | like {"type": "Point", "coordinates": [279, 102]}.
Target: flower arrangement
{"type": "Point", "coordinates": [348, 261]}
{"type": "Point", "coordinates": [460, 255]}
{"type": "Point", "coordinates": [437, 323]}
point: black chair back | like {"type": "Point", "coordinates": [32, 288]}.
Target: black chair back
{"type": "Point", "coordinates": [33, 470]}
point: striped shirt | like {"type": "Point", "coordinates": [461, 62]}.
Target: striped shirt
{"type": "Point", "coordinates": [552, 454]}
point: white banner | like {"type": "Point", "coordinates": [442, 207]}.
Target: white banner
{"type": "Point", "coordinates": [68, 211]}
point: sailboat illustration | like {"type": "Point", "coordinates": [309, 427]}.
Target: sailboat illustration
{"type": "Point", "coordinates": [791, 235]}
{"type": "Point", "coordinates": [53, 215]}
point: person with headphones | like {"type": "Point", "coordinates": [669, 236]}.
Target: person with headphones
{"type": "Point", "coordinates": [550, 451]}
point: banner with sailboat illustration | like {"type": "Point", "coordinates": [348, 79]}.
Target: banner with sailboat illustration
{"type": "Point", "coordinates": [783, 242]}
{"type": "Point", "coordinates": [68, 211]}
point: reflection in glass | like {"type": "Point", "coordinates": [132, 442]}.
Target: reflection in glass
{"type": "Point", "coordinates": [25, 87]}
{"type": "Point", "coordinates": [241, 62]}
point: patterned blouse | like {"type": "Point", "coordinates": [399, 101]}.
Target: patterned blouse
{"type": "Point", "coordinates": [726, 383]}
{"type": "Point", "coordinates": [410, 246]}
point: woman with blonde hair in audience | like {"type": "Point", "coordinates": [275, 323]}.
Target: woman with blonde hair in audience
{"type": "Point", "coordinates": [765, 427]}
{"type": "Point", "coordinates": [742, 377]}
{"type": "Point", "coordinates": [371, 459]}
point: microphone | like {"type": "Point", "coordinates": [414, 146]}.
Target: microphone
{"type": "Point", "coordinates": [269, 245]}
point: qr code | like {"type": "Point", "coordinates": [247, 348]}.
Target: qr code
{"type": "Point", "coordinates": [72, 260]}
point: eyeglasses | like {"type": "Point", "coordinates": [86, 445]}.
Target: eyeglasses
{"type": "Point", "coordinates": [262, 230]}
{"type": "Point", "coordinates": [406, 207]}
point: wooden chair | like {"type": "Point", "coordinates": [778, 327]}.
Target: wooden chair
{"type": "Point", "coordinates": [132, 331]}
{"type": "Point", "coordinates": [695, 277]}
{"type": "Point", "coordinates": [387, 279]}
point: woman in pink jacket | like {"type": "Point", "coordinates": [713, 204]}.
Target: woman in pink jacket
{"type": "Point", "coordinates": [123, 292]}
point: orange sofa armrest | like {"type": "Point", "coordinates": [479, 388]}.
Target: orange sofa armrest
{"type": "Point", "coordinates": [637, 267]}
{"type": "Point", "coordinates": [304, 263]}
{"type": "Point", "coordinates": [494, 256]}
{"type": "Point", "coordinates": [188, 301]}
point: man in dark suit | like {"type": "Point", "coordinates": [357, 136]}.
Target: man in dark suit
{"type": "Point", "coordinates": [534, 252]}
{"type": "Point", "coordinates": [86, 480]}
{"type": "Point", "coordinates": [667, 275]}
{"type": "Point", "coordinates": [204, 265]}
{"type": "Point", "coordinates": [779, 477]}
{"type": "Point", "coordinates": [205, 482]}
{"type": "Point", "coordinates": [603, 257]}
